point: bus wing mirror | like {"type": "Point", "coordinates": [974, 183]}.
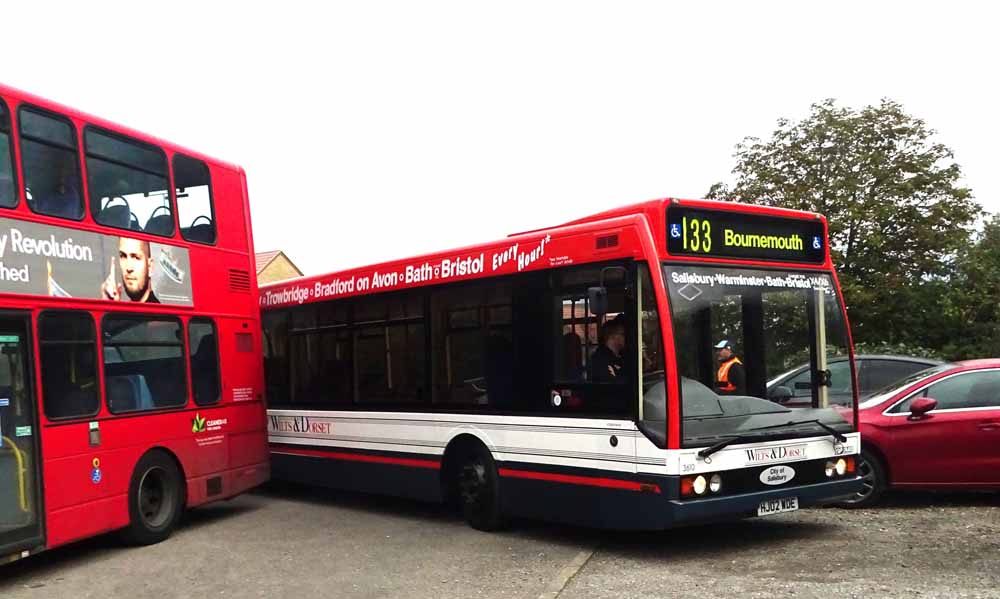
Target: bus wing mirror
{"type": "Point", "coordinates": [780, 394]}
{"type": "Point", "coordinates": [597, 298]}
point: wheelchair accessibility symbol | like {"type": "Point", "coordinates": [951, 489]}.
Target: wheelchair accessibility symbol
{"type": "Point", "coordinates": [817, 243]}
{"type": "Point", "coordinates": [675, 231]}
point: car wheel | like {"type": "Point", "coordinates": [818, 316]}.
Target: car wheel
{"type": "Point", "coordinates": [155, 499]}
{"type": "Point", "coordinates": [479, 490]}
{"type": "Point", "coordinates": [873, 481]}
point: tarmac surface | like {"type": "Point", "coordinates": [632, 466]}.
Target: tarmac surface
{"type": "Point", "coordinates": [301, 543]}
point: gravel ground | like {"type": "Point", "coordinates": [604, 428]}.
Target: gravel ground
{"type": "Point", "coordinates": [300, 543]}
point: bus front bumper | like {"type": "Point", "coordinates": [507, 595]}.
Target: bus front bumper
{"type": "Point", "coordinates": [695, 511]}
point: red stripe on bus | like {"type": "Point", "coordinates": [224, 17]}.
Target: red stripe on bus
{"type": "Point", "coordinates": [609, 483]}
{"type": "Point", "coordinates": [360, 457]}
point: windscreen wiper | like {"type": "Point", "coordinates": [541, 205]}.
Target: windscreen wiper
{"type": "Point", "coordinates": [834, 432]}
{"type": "Point", "coordinates": [704, 453]}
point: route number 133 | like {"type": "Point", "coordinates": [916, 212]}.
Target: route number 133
{"type": "Point", "coordinates": [697, 235]}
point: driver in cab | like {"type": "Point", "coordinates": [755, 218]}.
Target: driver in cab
{"type": "Point", "coordinates": [731, 378]}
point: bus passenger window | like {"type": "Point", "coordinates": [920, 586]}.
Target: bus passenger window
{"type": "Point", "coordinates": [128, 184]}
{"type": "Point", "coordinates": [68, 347]}
{"type": "Point", "coordinates": [51, 171]}
{"type": "Point", "coordinates": [204, 347]}
{"type": "Point", "coordinates": [471, 351]}
{"type": "Point", "coordinates": [592, 352]}
{"type": "Point", "coordinates": [193, 188]}
{"type": "Point", "coordinates": [389, 334]}
{"type": "Point", "coordinates": [143, 363]}
{"type": "Point", "coordinates": [8, 191]}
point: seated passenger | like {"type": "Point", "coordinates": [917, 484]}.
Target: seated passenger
{"type": "Point", "coordinates": [572, 366]}
{"type": "Point", "coordinates": [61, 197]}
{"type": "Point", "coordinates": [606, 363]}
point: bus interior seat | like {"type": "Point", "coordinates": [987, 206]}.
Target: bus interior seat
{"type": "Point", "coordinates": [118, 216]}
{"type": "Point", "coordinates": [160, 224]}
{"type": "Point", "coordinates": [128, 393]}
{"type": "Point", "coordinates": [572, 362]}
{"type": "Point", "coordinates": [201, 230]}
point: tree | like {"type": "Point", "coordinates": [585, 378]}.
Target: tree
{"type": "Point", "coordinates": [897, 214]}
{"type": "Point", "coordinates": [971, 302]}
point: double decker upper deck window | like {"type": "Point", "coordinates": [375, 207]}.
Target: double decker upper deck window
{"type": "Point", "coordinates": [128, 184]}
{"type": "Point", "coordinates": [49, 163]}
{"type": "Point", "coordinates": [8, 190]}
{"type": "Point", "coordinates": [194, 199]}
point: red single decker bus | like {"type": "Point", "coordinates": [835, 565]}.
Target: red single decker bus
{"type": "Point", "coordinates": [613, 371]}
{"type": "Point", "coordinates": [130, 383]}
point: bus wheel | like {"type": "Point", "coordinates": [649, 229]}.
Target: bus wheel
{"type": "Point", "coordinates": [873, 481]}
{"type": "Point", "coordinates": [155, 499]}
{"type": "Point", "coordinates": [479, 490]}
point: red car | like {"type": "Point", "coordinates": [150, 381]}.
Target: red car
{"type": "Point", "coordinates": [936, 429]}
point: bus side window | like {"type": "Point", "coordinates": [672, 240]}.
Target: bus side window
{"type": "Point", "coordinates": [50, 166]}
{"type": "Point", "coordinates": [8, 190]}
{"type": "Point", "coordinates": [590, 353]}
{"type": "Point", "coordinates": [203, 346]}
{"type": "Point", "coordinates": [143, 363]}
{"type": "Point", "coordinates": [68, 347]}
{"type": "Point", "coordinates": [127, 180]}
{"type": "Point", "coordinates": [471, 345]}
{"type": "Point", "coordinates": [195, 210]}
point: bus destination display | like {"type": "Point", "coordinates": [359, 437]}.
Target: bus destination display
{"type": "Point", "coordinates": [697, 232]}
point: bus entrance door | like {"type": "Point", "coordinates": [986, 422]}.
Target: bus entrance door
{"type": "Point", "coordinates": [20, 523]}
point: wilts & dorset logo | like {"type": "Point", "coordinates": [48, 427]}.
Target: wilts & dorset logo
{"type": "Point", "coordinates": [775, 454]}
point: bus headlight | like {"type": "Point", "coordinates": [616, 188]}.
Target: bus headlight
{"type": "Point", "coordinates": [700, 485]}
{"type": "Point", "coordinates": [829, 469]}
{"type": "Point", "coordinates": [841, 467]}
{"type": "Point", "coordinates": [715, 483]}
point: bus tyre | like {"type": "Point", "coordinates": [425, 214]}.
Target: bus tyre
{"type": "Point", "coordinates": [155, 499]}
{"type": "Point", "coordinates": [479, 490]}
{"type": "Point", "coordinates": [873, 481]}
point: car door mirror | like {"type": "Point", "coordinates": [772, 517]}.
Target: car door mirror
{"type": "Point", "coordinates": [780, 394]}
{"type": "Point", "coordinates": [920, 407]}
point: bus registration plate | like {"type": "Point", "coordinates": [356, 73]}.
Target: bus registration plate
{"type": "Point", "coordinates": [777, 506]}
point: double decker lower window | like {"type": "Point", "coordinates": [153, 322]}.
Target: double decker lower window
{"type": "Point", "coordinates": [204, 347]}
{"type": "Point", "coordinates": [143, 363]}
{"type": "Point", "coordinates": [68, 348]}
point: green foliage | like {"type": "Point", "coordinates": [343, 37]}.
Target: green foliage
{"type": "Point", "coordinates": [898, 349]}
{"type": "Point", "coordinates": [971, 304]}
{"type": "Point", "coordinates": [900, 222]}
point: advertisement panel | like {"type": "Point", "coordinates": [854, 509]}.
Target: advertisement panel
{"type": "Point", "coordinates": [37, 259]}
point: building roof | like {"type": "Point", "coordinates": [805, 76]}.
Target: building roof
{"type": "Point", "coordinates": [264, 258]}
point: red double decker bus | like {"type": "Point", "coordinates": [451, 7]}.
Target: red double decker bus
{"type": "Point", "coordinates": [130, 383]}
{"type": "Point", "coordinates": [615, 371]}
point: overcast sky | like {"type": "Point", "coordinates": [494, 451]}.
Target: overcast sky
{"type": "Point", "coordinates": [377, 130]}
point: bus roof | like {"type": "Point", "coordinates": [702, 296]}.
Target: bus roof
{"type": "Point", "coordinates": [22, 96]}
